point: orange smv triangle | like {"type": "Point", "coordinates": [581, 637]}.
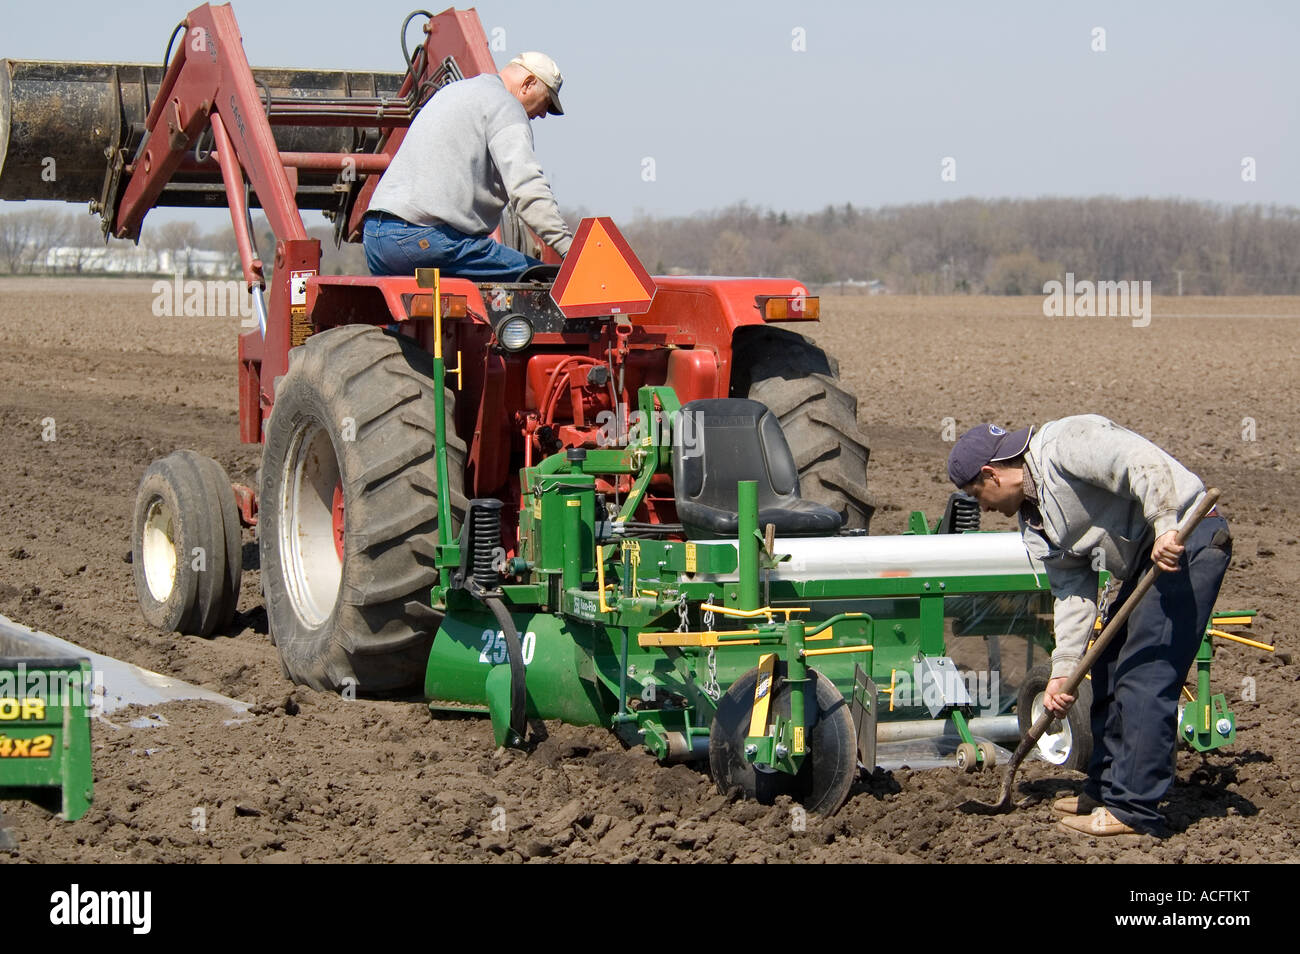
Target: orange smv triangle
{"type": "Point", "coordinates": [601, 274]}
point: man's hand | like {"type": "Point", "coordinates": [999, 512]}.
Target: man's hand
{"type": "Point", "coordinates": [1056, 701]}
{"type": "Point", "coordinates": [1166, 552]}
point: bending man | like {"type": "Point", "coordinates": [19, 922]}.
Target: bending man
{"type": "Point", "coordinates": [1093, 496]}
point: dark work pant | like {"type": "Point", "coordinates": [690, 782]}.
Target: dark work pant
{"type": "Point", "coordinates": [395, 247]}
{"type": "Point", "coordinates": [1137, 680]}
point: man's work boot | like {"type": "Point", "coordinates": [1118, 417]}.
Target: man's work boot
{"type": "Point", "coordinates": [1099, 824]}
{"type": "Point", "coordinates": [1075, 805]}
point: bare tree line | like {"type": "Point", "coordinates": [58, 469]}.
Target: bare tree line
{"type": "Point", "coordinates": [27, 236]}
{"type": "Point", "coordinates": [969, 246]}
{"type": "Point", "coordinates": [1006, 246]}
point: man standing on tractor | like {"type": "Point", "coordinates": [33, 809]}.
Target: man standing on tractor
{"type": "Point", "coordinates": [468, 153]}
{"type": "Point", "coordinates": [1093, 496]}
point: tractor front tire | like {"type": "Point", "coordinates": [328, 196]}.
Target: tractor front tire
{"type": "Point", "coordinates": [796, 380]}
{"type": "Point", "coordinates": [348, 510]}
{"type": "Point", "coordinates": [186, 550]}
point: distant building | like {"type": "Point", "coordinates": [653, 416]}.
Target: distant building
{"type": "Point", "coordinates": [872, 286]}
{"type": "Point", "coordinates": [141, 260]}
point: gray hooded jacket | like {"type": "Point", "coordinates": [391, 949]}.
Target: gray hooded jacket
{"type": "Point", "coordinates": [1105, 494]}
{"type": "Point", "coordinates": [468, 152]}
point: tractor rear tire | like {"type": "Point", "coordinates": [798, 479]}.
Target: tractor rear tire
{"type": "Point", "coordinates": [348, 510]}
{"type": "Point", "coordinates": [796, 380]}
{"type": "Point", "coordinates": [830, 767]}
{"type": "Point", "coordinates": [186, 551]}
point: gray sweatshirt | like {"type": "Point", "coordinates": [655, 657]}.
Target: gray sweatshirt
{"type": "Point", "coordinates": [1100, 488]}
{"type": "Point", "coordinates": [468, 152]}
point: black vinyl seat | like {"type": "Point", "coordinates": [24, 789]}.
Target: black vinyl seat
{"type": "Point", "coordinates": [718, 442]}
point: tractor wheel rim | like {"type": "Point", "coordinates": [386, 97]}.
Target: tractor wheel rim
{"type": "Point", "coordinates": [1052, 746]}
{"type": "Point", "coordinates": [339, 519]}
{"type": "Point", "coordinates": [158, 550]}
{"type": "Point", "coordinates": [313, 567]}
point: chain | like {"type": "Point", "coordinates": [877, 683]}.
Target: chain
{"type": "Point", "coordinates": [711, 687]}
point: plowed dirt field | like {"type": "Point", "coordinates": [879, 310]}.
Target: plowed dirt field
{"type": "Point", "coordinates": [313, 777]}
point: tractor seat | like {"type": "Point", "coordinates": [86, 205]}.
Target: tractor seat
{"type": "Point", "coordinates": [718, 442]}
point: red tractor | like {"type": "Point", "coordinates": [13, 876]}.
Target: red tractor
{"type": "Point", "coordinates": [335, 379]}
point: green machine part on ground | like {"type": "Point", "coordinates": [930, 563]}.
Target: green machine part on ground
{"type": "Point", "coordinates": [45, 729]}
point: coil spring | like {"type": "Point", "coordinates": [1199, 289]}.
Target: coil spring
{"type": "Point", "coordinates": [485, 534]}
{"type": "Point", "coordinates": [965, 514]}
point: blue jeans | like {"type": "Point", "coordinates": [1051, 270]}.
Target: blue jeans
{"type": "Point", "coordinates": [396, 247]}
{"type": "Point", "coordinates": [1137, 679]}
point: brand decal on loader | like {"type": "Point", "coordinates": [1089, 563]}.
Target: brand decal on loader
{"type": "Point", "coordinates": [239, 118]}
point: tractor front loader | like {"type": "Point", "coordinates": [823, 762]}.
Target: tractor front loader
{"type": "Point", "coordinates": [649, 518]}
{"type": "Point", "coordinates": [347, 502]}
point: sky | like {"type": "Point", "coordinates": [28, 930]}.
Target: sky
{"type": "Point", "coordinates": [676, 107]}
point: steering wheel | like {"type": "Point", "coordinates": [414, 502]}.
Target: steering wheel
{"type": "Point", "coordinates": [541, 274]}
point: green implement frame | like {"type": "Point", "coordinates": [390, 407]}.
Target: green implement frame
{"type": "Point", "coordinates": [1207, 722]}
{"type": "Point", "coordinates": [599, 620]}
{"type": "Point", "coordinates": [619, 631]}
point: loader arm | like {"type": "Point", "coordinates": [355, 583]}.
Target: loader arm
{"type": "Point", "coordinates": [209, 82]}
{"type": "Point", "coordinates": [209, 85]}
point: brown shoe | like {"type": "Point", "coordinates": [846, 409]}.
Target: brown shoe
{"type": "Point", "coordinates": [1099, 824]}
{"type": "Point", "coordinates": [1075, 805]}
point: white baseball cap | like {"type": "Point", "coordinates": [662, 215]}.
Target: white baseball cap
{"type": "Point", "coordinates": [544, 68]}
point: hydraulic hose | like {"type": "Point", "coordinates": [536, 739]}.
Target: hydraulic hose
{"type": "Point", "coordinates": [515, 654]}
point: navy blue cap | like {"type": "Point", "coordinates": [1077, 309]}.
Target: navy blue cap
{"type": "Point", "coordinates": [982, 445]}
